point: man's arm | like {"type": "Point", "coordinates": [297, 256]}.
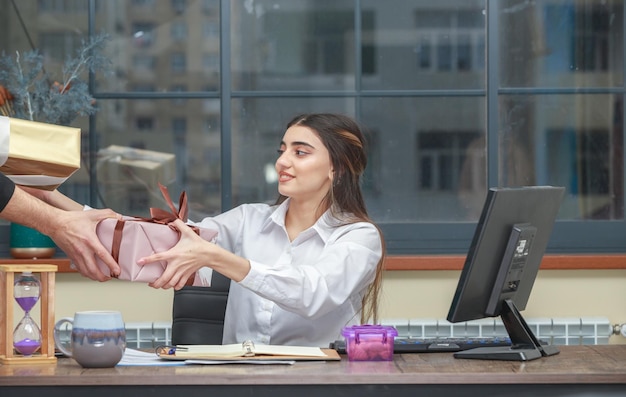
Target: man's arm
{"type": "Point", "coordinates": [74, 232]}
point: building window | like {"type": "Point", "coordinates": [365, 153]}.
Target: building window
{"type": "Point", "coordinates": [144, 62]}
{"type": "Point", "coordinates": [450, 40]}
{"type": "Point", "coordinates": [179, 88]}
{"type": "Point", "coordinates": [211, 62]}
{"type": "Point", "coordinates": [63, 6]}
{"type": "Point", "coordinates": [442, 157]}
{"type": "Point", "coordinates": [210, 7]}
{"type": "Point", "coordinates": [144, 124]}
{"type": "Point", "coordinates": [179, 30]}
{"type": "Point", "coordinates": [178, 62]}
{"type": "Point", "coordinates": [592, 38]}
{"type": "Point", "coordinates": [210, 30]}
{"type": "Point", "coordinates": [59, 46]}
{"type": "Point", "coordinates": [142, 3]}
{"type": "Point", "coordinates": [179, 6]}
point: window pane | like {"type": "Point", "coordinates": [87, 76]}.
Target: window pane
{"type": "Point", "coordinates": [427, 159]}
{"type": "Point", "coordinates": [128, 180]}
{"type": "Point", "coordinates": [566, 140]}
{"type": "Point", "coordinates": [561, 43]}
{"type": "Point", "coordinates": [55, 31]}
{"type": "Point", "coordinates": [292, 44]}
{"type": "Point", "coordinates": [424, 44]}
{"type": "Point", "coordinates": [258, 126]}
{"type": "Point", "coordinates": [159, 44]}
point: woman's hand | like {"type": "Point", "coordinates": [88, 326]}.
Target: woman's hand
{"type": "Point", "coordinates": [190, 254]}
{"type": "Point", "coordinates": [183, 259]}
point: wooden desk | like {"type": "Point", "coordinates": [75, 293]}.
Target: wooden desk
{"type": "Point", "coordinates": [577, 370]}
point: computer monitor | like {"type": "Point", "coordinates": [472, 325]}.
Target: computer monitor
{"type": "Point", "coordinates": [501, 266]}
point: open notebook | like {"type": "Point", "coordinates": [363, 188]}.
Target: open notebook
{"type": "Point", "coordinates": [246, 351]}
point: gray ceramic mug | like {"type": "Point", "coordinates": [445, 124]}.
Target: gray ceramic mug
{"type": "Point", "coordinates": [98, 338]}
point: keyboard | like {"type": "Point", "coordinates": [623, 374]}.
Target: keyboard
{"type": "Point", "coordinates": [434, 345]}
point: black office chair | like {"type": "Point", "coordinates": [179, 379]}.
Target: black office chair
{"type": "Point", "coordinates": [198, 313]}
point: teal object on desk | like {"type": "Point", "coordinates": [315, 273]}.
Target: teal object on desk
{"type": "Point", "coordinates": [28, 243]}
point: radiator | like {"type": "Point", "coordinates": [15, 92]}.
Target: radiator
{"type": "Point", "coordinates": [557, 331]}
{"type": "Point", "coordinates": [148, 335]}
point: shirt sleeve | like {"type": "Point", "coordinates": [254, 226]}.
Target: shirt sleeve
{"type": "Point", "coordinates": [7, 187]}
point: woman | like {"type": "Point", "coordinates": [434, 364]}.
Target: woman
{"type": "Point", "coordinates": [306, 267]}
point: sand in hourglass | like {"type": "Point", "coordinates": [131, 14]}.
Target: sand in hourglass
{"type": "Point", "coordinates": [28, 346]}
{"type": "Point", "coordinates": [27, 336]}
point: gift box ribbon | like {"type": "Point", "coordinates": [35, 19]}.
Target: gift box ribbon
{"type": "Point", "coordinates": [158, 215]}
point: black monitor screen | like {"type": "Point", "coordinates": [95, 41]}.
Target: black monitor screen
{"type": "Point", "coordinates": [501, 266]}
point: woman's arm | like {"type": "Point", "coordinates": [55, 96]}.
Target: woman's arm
{"type": "Point", "coordinates": [312, 287]}
{"type": "Point", "coordinates": [192, 253]}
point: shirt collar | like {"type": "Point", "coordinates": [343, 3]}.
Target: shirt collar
{"type": "Point", "coordinates": [323, 226]}
{"type": "Point", "coordinates": [278, 215]}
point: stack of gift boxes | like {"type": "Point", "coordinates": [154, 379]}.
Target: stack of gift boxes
{"type": "Point", "coordinates": [38, 154]}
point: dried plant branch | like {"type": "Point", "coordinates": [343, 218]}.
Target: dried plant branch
{"type": "Point", "coordinates": [38, 96]}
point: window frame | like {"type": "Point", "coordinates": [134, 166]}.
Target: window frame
{"type": "Point", "coordinates": [412, 239]}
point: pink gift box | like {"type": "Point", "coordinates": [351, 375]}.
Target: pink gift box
{"type": "Point", "coordinates": [140, 238]}
{"type": "Point", "coordinates": [133, 238]}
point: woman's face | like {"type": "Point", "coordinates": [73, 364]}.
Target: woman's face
{"type": "Point", "coordinates": [304, 168]}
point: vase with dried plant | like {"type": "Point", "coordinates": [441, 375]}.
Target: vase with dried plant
{"type": "Point", "coordinates": [29, 91]}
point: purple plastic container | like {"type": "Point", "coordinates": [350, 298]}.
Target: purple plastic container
{"type": "Point", "coordinates": [369, 342]}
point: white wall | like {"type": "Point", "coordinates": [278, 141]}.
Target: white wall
{"type": "Point", "coordinates": [406, 294]}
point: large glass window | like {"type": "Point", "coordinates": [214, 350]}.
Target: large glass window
{"type": "Point", "coordinates": [456, 96]}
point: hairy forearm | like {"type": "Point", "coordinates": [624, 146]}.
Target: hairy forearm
{"type": "Point", "coordinates": [30, 211]}
{"type": "Point", "coordinates": [74, 232]}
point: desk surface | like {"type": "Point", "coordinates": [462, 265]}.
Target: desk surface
{"type": "Point", "coordinates": [576, 369]}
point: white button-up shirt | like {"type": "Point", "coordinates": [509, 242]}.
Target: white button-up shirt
{"type": "Point", "coordinates": [300, 292]}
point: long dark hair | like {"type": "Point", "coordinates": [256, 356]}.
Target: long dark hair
{"type": "Point", "coordinates": [343, 138]}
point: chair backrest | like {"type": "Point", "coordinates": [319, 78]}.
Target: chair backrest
{"type": "Point", "coordinates": [198, 313]}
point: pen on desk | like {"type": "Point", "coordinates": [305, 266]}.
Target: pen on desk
{"type": "Point", "coordinates": [169, 350]}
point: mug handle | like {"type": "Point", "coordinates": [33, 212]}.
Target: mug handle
{"type": "Point", "coordinates": [57, 336]}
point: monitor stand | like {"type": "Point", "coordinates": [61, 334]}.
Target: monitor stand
{"type": "Point", "coordinates": [524, 344]}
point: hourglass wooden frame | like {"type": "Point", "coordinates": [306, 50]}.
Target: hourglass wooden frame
{"type": "Point", "coordinates": [46, 320]}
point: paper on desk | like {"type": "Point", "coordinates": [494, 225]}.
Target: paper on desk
{"type": "Point", "coordinates": [262, 362]}
{"type": "Point", "coordinates": [134, 357]}
{"type": "Point", "coordinates": [139, 358]}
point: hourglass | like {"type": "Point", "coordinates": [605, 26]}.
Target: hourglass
{"type": "Point", "coordinates": [27, 342]}
{"type": "Point", "coordinates": [27, 336]}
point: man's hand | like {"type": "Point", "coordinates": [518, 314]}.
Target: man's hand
{"type": "Point", "coordinates": [75, 234]}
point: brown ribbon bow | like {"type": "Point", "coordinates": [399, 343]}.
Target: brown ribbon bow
{"type": "Point", "coordinates": [158, 215]}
